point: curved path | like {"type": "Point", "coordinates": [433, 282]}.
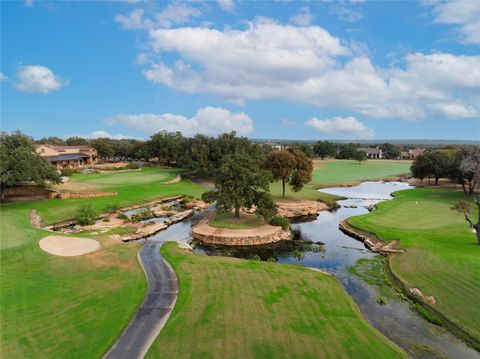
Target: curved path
{"type": "Point", "coordinates": [152, 315]}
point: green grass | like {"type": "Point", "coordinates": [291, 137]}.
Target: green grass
{"type": "Point", "coordinates": [442, 256]}
{"type": "Point", "coordinates": [73, 307]}
{"type": "Point", "coordinates": [132, 188]}
{"type": "Point", "coordinates": [63, 307]}
{"type": "Point", "coordinates": [227, 220]}
{"type": "Point", "coordinates": [330, 173]}
{"type": "Point", "coordinates": [232, 308]}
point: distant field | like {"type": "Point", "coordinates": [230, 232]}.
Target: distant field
{"type": "Point", "coordinates": [442, 256]}
{"type": "Point", "coordinates": [233, 308]}
{"type": "Point", "coordinates": [73, 307]}
{"type": "Point", "coordinates": [329, 173]}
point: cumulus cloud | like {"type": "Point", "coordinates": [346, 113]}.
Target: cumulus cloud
{"type": "Point", "coordinates": [2, 77]}
{"type": "Point", "coordinates": [36, 78]}
{"type": "Point", "coordinates": [208, 121]}
{"type": "Point", "coordinates": [306, 64]}
{"type": "Point", "coordinates": [303, 18]}
{"type": "Point", "coordinates": [227, 5]}
{"type": "Point", "coordinates": [464, 14]}
{"type": "Point", "coordinates": [174, 13]}
{"type": "Point", "coordinates": [105, 134]}
{"type": "Point", "coordinates": [343, 127]}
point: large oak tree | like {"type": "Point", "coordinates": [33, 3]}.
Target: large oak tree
{"type": "Point", "coordinates": [19, 163]}
{"type": "Point", "coordinates": [241, 183]}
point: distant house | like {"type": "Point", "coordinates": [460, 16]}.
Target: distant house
{"type": "Point", "coordinates": [372, 152]}
{"type": "Point", "coordinates": [67, 156]}
{"type": "Point", "coordinates": [274, 145]}
{"type": "Point", "coordinates": [412, 154]}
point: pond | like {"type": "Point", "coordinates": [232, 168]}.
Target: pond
{"type": "Point", "coordinates": [334, 252]}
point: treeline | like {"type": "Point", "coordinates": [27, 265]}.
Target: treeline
{"type": "Point", "coordinates": [460, 164]}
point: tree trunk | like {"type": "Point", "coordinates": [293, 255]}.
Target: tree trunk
{"type": "Point", "coordinates": [429, 180]}
{"type": "Point", "coordinates": [464, 189]}
{"type": "Point", "coordinates": [283, 187]}
{"type": "Point", "coordinates": [237, 212]}
{"type": "Point", "coordinates": [2, 193]}
{"type": "Point", "coordinates": [477, 231]}
{"type": "Point", "coordinates": [436, 180]}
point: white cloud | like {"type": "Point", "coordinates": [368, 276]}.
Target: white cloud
{"type": "Point", "coordinates": [105, 134]}
{"type": "Point", "coordinates": [227, 5]}
{"type": "Point", "coordinates": [134, 20]}
{"type": "Point", "coordinates": [36, 78]}
{"type": "Point", "coordinates": [306, 64]}
{"type": "Point", "coordinates": [303, 18]}
{"type": "Point", "coordinates": [464, 14]}
{"type": "Point", "coordinates": [343, 127]}
{"type": "Point", "coordinates": [345, 12]}
{"type": "Point", "coordinates": [208, 121]}
{"type": "Point", "coordinates": [3, 77]}
{"type": "Point", "coordinates": [29, 3]}
{"type": "Point", "coordinates": [174, 13]}
{"type": "Point", "coordinates": [287, 122]}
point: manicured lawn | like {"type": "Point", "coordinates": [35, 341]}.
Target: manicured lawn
{"type": "Point", "coordinates": [132, 187]}
{"type": "Point", "coordinates": [442, 256]}
{"type": "Point", "coordinates": [233, 308]}
{"type": "Point", "coordinates": [73, 307]}
{"type": "Point", "coordinates": [228, 220]}
{"type": "Point", "coordinates": [334, 172]}
{"type": "Point", "coordinates": [63, 307]}
{"type": "Point", "coordinates": [330, 173]}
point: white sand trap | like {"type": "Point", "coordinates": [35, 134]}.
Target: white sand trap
{"type": "Point", "coordinates": [68, 246]}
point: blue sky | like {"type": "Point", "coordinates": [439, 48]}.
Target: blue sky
{"type": "Point", "coordinates": [284, 69]}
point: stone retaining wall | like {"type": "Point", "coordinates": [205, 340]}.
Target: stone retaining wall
{"type": "Point", "coordinates": [240, 237]}
{"type": "Point", "coordinates": [85, 195]}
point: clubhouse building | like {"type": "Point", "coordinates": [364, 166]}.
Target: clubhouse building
{"type": "Point", "coordinates": [67, 156]}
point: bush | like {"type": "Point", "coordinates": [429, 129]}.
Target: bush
{"type": "Point", "coordinates": [67, 172]}
{"type": "Point", "coordinates": [142, 215]}
{"type": "Point", "coordinates": [85, 215]}
{"type": "Point", "coordinates": [106, 219]}
{"type": "Point", "coordinates": [280, 221]}
{"type": "Point", "coordinates": [382, 300]}
{"type": "Point", "coordinates": [122, 216]}
{"type": "Point", "coordinates": [112, 207]}
{"type": "Point", "coordinates": [132, 166]}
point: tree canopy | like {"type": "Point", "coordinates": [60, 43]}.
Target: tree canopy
{"type": "Point", "coordinates": [241, 183]}
{"type": "Point", "coordinates": [325, 149]}
{"type": "Point", "coordinates": [360, 156]}
{"type": "Point", "coordinates": [19, 162]}
{"type": "Point", "coordinates": [293, 168]}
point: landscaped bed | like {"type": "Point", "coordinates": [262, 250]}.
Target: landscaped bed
{"type": "Point", "coordinates": [442, 258]}
{"type": "Point", "coordinates": [227, 220]}
{"type": "Point", "coordinates": [232, 308]}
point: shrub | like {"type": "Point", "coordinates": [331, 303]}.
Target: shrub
{"type": "Point", "coordinates": [106, 219]}
{"type": "Point", "coordinates": [142, 215]}
{"type": "Point", "coordinates": [382, 300]}
{"type": "Point", "coordinates": [255, 257]}
{"type": "Point", "coordinates": [112, 207]}
{"type": "Point", "coordinates": [280, 221]}
{"type": "Point", "coordinates": [85, 215]}
{"type": "Point", "coordinates": [122, 216]}
{"type": "Point", "coordinates": [132, 166]}
{"type": "Point", "coordinates": [67, 172]}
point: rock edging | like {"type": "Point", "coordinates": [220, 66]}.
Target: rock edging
{"type": "Point", "coordinates": [205, 233]}
{"type": "Point", "coordinates": [370, 240]}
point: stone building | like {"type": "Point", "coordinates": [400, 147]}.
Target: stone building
{"type": "Point", "coordinates": [68, 156]}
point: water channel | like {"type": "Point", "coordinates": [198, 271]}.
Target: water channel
{"type": "Point", "coordinates": [336, 253]}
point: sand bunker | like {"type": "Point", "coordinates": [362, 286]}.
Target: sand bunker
{"type": "Point", "coordinates": [68, 246]}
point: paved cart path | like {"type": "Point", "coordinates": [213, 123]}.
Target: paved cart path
{"type": "Point", "coordinates": [156, 307]}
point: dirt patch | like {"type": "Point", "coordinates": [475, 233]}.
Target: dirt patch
{"type": "Point", "coordinates": [175, 180]}
{"type": "Point", "coordinates": [68, 246]}
{"type": "Point", "coordinates": [35, 219]}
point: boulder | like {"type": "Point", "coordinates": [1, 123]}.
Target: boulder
{"type": "Point", "coordinates": [298, 209]}
{"type": "Point", "coordinates": [179, 216]}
